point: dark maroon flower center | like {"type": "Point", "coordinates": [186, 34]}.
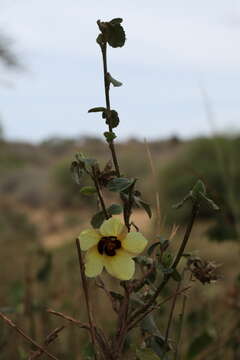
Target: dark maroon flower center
{"type": "Point", "coordinates": [108, 245]}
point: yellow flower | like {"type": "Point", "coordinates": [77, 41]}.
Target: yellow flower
{"type": "Point", "coordinates": [111, 247]}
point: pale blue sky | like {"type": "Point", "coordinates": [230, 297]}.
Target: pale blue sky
{"type": "Point", "coordinates": [171, 48]}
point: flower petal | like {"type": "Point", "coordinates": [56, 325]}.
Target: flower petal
{"type": "Point", "coordinates": [120, 266]}
{"type": "Point", "coordinates": [134, 242]}
{"type": "Point", "coordinates": [93, 262]}
{"type": "Point", "coordinates": [89, 238]}
{"type": "Point", "coordinates": [111, 227]}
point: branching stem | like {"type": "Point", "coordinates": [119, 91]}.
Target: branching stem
{"type": "Point", "coordinates": [167, 277]}
{"type": "Point", "coordinates": [26, 337]}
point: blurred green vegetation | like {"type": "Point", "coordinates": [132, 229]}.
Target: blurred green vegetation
{"type": "Point", "coordinates": [216, 162]}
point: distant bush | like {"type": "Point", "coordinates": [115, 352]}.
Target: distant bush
{"type": "Point", "coordinates": [215, 161]}
{"type": "Point", "coordinates": [15, 225]}
{"type": "Point", "coordinates": [19, 155]}
{"type": "Point", "coordinates": [30, 186]}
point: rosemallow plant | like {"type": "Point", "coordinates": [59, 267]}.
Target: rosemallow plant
{"type": "Point", "coordinates": [114, 245]}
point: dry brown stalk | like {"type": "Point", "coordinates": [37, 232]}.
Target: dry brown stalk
{"type": "Point", "coordinates": [69, 318]}
{"type": "Point", "coordinates": [26, 337]}
{"type": "Point", "coordinates": [102, 286]}
{"type": "Point", "coordinates": [49, 339]}
{"type": "Point", "coordinates": [85, 289]}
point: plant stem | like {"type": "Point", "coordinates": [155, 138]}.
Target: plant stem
{"type": "Point", "coordinates": [69, 318]}
{"type": "Point", "coordinates": [21, 332]}
{"type": "Point", "coordinates": [171, 316]}
{"type": "Point", "coordinates": [99, 192]}
{"type": "Point", "coordinates": [194, 213]}
{"type": "Point", "coordinates": [49, 339]}
{"type": "Point", "coordinates": [108, 106]}
{"type": "Point", "coordinates": [167, 277]}
{"type": "Point", "coordinates": [122, 320]}
{"type": "Point", "coordinates": [181, 316]}
{"type": "Point", "coordinates": [85, 289]}
{"type": "Point", "coordinates": [132, 325]}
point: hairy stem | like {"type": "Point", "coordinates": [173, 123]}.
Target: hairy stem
{"type": "Point", "coordinates": [181, 319]}
{"type": "Point", "coordinates": [108, 106]}
{"type": "Point", "coordinates": [171, 315]}
{"type": "Point", "coordinates": [99, 192]}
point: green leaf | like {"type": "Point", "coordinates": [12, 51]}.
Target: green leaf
{"type": "Point", "coordinates": [88, 190]}
{"type": "Point", "coordinates": [100, 39]}
{"type": "Point", "coordinates": [119, 184]}
{"type": "Point", "coordinates": [158, 345]}
{"type": "Point", "coordinates": [152, 248]}
{"type": "Point", "coordinates": [110, 136]}
{"type": "Point", "coordinates": [199, 344]}
{"type": "Point", "coordinates": [211, 202]}
{"type": "Point", "coordinates": [116, 21]}
{"type": "Point", "coordinates": [143, 204]}
{"type": "Point", "coordinates": [113, 81]}
{"type": "Point", "coordinates": [146, 207]}
{"type": "Point", "coordinates": [89, 163]}
{"type": "Point", "coordinates": [149, 326]}
{"type": "Point", "coordinates": [143, 260]}
{"type": "Point", "coordinates": [116, 35]}
{"type": "Point", "coordinates": [112, 119]}
{"type": "Point", "coordinates": [176, 276]}
{"type": "Point", "coordinates": [97, 109]}
{"type": "Point", "coordinates": [77, 172]}
{"type": "Point", "coordinates": [115, 209]}
{"type": "Point", "coordinates": [146, 354]}
{"type": "Point", "coordinates": [182, 202]}
{"type": "Point", "coordinates": [167, 260]}
{"type": "Point", "coordinates": [98, 219]}
{"type": "Point", "coordinates": [84, 163]}
{"type": "Point", "coordinates": [199, 188]}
